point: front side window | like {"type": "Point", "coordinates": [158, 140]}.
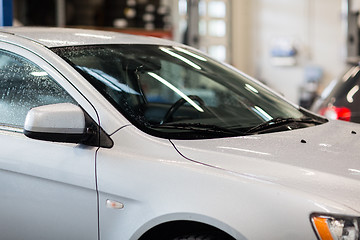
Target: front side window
{"type": "Point", "coordinates": [24, 85]}
{"type": "Point", "coordinates": [175, 92]}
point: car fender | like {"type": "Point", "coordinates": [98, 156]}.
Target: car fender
{"type": "Point", "coordinates": [149, 177]}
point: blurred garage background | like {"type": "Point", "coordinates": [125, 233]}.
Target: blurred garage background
{"type": "Point", "coordinates": [296, 47]}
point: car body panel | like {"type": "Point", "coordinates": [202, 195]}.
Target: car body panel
{"type": "Point", "coordinates": [322, 166]}
{"type": "Point", "coordinates": [52, 37]}
{"type": "Point", "coordinates": [48, 194]}
{"type": "Point", "coordinates": [155, 188]}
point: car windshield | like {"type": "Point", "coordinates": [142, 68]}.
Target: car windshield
{"type": "Point", "coordinates": [177, 92]}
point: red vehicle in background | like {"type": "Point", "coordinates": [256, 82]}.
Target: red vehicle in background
{"type": "Point", "coordinates": [341, 98]}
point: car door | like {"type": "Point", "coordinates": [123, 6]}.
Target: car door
{"type": "Point", "coordinates": [47, 189]}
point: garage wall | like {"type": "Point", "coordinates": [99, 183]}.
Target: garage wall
{"type": "Point", "coordinates": [314, 27]}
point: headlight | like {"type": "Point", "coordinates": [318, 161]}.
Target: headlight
{"type": "Point", "coordinates": [335, 227]}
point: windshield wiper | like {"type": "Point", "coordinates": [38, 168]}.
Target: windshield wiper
{"type": "Point", "coordinates": [279, 121]}
{"type": "Point", "coordinates": [202, 128]}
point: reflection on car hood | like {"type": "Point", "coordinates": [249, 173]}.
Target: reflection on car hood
{"type": "Point", "coordinates": [322, 160]}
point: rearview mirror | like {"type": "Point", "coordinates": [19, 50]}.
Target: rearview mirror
{"type": "Point", "coordinates": [62, 122]}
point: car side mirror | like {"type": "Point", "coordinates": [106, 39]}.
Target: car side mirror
{"type": "Point", "coordinates": [62, 122]}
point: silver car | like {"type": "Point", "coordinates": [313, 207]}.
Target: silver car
{"type": "Point", "coordinates": [113, 136]}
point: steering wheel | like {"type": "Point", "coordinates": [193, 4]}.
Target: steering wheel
{"type": "Point", "coordinates": [169, 114]}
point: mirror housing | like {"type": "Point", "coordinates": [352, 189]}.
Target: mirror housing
{"type": "Point", "coordinates": [62, 122]}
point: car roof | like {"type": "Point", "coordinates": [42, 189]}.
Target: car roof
{"type": "Point", "coordinates": [62, 37]}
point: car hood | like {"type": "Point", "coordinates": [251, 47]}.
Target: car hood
{"type": "Point", "coordinates": [322, 160]}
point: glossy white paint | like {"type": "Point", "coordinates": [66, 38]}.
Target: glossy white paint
{"type": "Point", "coordinates": [230, 190]}
{"type": "Point", "coordinates": [61, 117]}
{"type": "Point", "coordinates": [52, 37]}
{"type": "Point", "coordinates": [255, 187]}
{"type": "Point", "coordinates": [326, 165]}
{"type": "Point", "coordinates": [47, 189]}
